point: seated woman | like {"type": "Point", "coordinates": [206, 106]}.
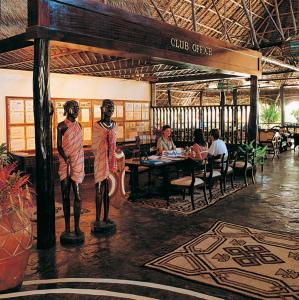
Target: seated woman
{"type": "Point", "coordinates": [165, 142]}
{"type": "Point", "coordinates": [200, 147]}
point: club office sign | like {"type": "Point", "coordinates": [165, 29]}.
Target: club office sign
{"type": "Point", "coordinates": [190, 47]}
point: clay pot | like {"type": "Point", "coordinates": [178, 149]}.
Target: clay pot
{"type": "Point", "coordinates": [15, 243]}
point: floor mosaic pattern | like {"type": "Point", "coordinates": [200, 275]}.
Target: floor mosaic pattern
{"type": "Point", "coordinates": [250, 261]}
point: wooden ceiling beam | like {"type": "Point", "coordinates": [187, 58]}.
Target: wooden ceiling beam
{"type": "Point", "coordinates": [139, 71]}
{"type": "Point", "coordinates": [173, 16]}
{"type": "Point", "coordinates": [277, 72]}
{"type": "Point", "coordinates": [240, 5]}
{"type": "Point", "coordinates": [293, 16]}
{"type": "Point", "coordinates": [158, 11]}
{"type": "Point", "coordinates": [220, 19]}
{"type": "Point", "coordinates": [279, 63]}
{"type": "Point", "coordinates": [278, 19]}
{"type": "Point", "coordinates": [271, 18]}
{"type": "Point", "coordinates": [197, 78]}
{"type": "Point", "coordinates": [193, 16]}
{"type": "Point", "coordinates": [250, 21]}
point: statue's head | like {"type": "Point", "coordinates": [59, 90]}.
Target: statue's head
{"type": "Point", "coordinates": [71, 108]}
{"type": "Point", "coordinates": [107, 108]}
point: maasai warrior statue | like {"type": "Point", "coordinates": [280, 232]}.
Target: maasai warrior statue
{"type": "Point", "coordinates": [71, 169]}
{"type": "Point", "coordinates": [104, 146]}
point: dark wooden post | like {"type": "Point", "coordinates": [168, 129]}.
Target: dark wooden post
{"type": "Point", "coordinates": [43, 145]}
{"type": "Point", "coordinates": [153, 94]}
{"type": "Point", "coordinates": [253, 121]}
{"type": "Point", "coordinates": [282, 105]}
{"type": "Point", "coordinates": [200, 98]}
{"type": "Point", "coordinates": [169, 97]}
{"type": "Point", "coordinates": [222, 103]}
{"type": "Point", "coordinates": [235, 117]}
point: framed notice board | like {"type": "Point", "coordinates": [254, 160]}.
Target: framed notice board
{"type": "Point", "coordinates": [132, 119]}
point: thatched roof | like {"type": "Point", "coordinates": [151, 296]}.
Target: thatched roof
{"type": "Point", "coordinates": [222, 19]}
{"type": "Point", "coordinates": [13, 17]}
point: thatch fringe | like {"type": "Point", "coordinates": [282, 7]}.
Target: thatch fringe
{"type": "Point", "coordinates": [13, 17]}
{"type": "Point", "coordinates": [140, 7]}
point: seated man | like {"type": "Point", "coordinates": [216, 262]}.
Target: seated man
{"type": "Point", "coordinates": [217, 147]}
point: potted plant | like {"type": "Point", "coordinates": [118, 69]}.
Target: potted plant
{"type": "Point", "coordinates": [270, 114]}
{"type": "Point", "coordinates": [15, 225]}
{"type": "Point", "coordinates": [258, 151]}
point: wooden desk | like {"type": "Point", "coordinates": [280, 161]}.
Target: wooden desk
{"type": "Point", "coordinates": [133, 165]}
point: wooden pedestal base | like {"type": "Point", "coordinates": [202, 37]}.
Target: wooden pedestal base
{"type": "Point", "coordinates": [99, 227]}
{"type": "Point", "coordinates": [70, 238]}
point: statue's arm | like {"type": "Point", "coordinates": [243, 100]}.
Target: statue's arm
{"type": "Point", "coordinates": [61, 129]}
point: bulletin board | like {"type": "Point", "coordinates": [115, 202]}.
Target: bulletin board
{"type": "Point", "coordinates": [132, 119]}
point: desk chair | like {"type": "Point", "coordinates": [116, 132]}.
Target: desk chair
{"type": "Point", "coordinates": [211, 174]}
{"type": "Point", "coordinates": [244, 162]}
{"type": "Point", "coordinates": [190, 182]}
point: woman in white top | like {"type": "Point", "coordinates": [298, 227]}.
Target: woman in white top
{"type": "Point", "coordinates": [217, 147]}
{"type": "Point", "coordinates": [165, 142]}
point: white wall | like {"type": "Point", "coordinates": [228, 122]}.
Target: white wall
{"type": "Point", "coordinates": [19, 84]}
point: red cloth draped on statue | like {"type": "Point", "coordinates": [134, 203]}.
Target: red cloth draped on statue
{"type": "Point", "coordinates": [103, 142]}
{"type": "Point", "coordinates": [72, 144]}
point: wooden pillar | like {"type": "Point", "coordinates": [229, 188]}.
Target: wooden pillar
{"type": "Point", "coordinates": [253, 121]}
{"type": "Point", "coordinates": [222, 103]}
{"type": "Point", "coordinates": [235, 116]}
{"type": "Point", "coordinates": [153, 94]}
{"type": "Point", "coordinates": [200, 98]}
{"type": "Point", "coordinates": [43, 145]}
{"type": "Point", "coordinates": [282, 105]}
{"type": "Point", "coordinates": [169, 97]}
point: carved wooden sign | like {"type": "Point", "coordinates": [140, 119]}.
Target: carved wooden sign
{"type": "Point", "coordinates": [187, 47]}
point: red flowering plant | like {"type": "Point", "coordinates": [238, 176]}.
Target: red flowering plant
{"type": "Point", "coordinates": [14, 189]}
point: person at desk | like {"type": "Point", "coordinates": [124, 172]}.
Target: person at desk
{"type": "Point", "coordinates": [165, 142]}
{"type": "Point", "coordinates": [200, 146]}
{"type": "Point", "coordinates": [217, 147]}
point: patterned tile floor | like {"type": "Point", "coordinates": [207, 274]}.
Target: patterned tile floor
{"type": "Point", "coordinates": [144, 234]}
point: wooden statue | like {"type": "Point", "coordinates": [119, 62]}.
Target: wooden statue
{"type": "Point", "coordinates": [104, 146]}
{"type": "Point", "coordinates": [71, 169]}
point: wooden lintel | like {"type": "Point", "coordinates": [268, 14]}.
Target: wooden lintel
{"type": "Point", "coordinates": [205, 77]}
{"type": "Point", "coordinates": [111, 32]}
{"type": "Point", "coordinates": [15, 42]}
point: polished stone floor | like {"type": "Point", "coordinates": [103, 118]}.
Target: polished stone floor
{"type": "Point", "coordinates": [144, 233]}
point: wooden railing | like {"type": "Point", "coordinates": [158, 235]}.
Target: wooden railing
{"type": "Point", "coordinates": [184, 119]}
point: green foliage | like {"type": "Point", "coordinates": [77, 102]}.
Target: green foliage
{"type": "Point", "coordinates": [295, 114]}
{"type": "Point", "coordinates": [14, 191]}
{"type": "Point", "coordinates": [270, 114]}
{"type": "Point", "coordinates": [258, 151]}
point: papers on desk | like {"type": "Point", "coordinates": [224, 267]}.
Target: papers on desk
{"type": "Point", "coordinates": [153, 157]}
{"type": "Point", "coordinates": [151, 162]}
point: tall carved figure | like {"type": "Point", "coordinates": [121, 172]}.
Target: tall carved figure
{"type": "Point", "coordinates": [71, 169]}
{"type": "Point", "coordinates": [104, 146]}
